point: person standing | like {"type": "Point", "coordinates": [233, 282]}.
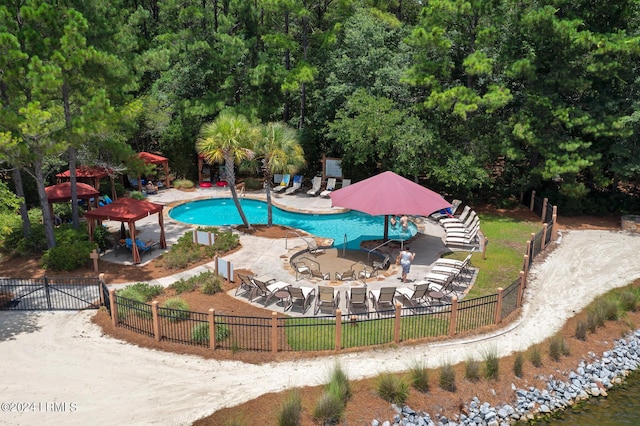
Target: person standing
{"type": "Point", "coordinates": [405, 257]}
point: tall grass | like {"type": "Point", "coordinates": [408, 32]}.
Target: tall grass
{"type": "Point", "coordinates": [291, 410]}
{"type": "Point", "coordinates": [491, 364]}
{"type": "Point", "coordinates": [448, 378]}
{"type": "Point", "coordinates": [419, 376]}
{"type": "Point", "coordinates": [392, 388]}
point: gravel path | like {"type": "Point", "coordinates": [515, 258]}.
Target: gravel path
{"type": "Point", "coordinates": [59, 361]}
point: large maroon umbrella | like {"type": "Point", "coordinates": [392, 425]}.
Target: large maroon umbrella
{"type": "Point", "coordinates": [386, 194]}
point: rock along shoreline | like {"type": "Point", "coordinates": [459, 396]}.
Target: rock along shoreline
{"type": "Point", "coordinates": [590, 379]}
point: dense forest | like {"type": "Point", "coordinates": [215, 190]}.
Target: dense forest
{"type": "Point", "coordinates": [479, 99]}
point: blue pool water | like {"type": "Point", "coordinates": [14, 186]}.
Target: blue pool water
{"type": "Point", "coordinates": [356, 226]}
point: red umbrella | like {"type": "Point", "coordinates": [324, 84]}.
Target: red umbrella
{"type": "Point", "coordinates": [389, 193]}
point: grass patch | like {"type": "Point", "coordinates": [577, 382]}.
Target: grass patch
{"type": "Point", "coordinates": [558, 348]}
{"type": "Point", "coordinates": [518, 364]}
{"type": "Point", "coordinates": [491, 365]}
{"type": "Point", "coordinates": [535, 356]}
{"type": "Point", "coordinates": [392, 388]}
{"type": "Point", "coordinates": [472, 370]}
{"type": "Point", "coordinates": [419, 377]}
{"type": "Point", "coordinates": [291, 410]}
{"type": "Point", "coordinates": [507, 238]}
{"type": "Point", "coordinates": [581, 330]}
{"type": "Point", "coordinates": [447, 378]}
{"type": "Point", "coordinates": [179, 308]}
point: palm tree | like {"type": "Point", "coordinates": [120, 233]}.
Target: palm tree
{"type": "Point", "coordinates": [228, 138]}
{"type": "Point", "coordinates": [280, 152]}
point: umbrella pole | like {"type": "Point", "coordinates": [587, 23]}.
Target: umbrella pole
{"type": "Point", "coordinates": [386, 228]}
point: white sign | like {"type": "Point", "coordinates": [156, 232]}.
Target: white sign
{"type": "Point", "coordinates": [203, 238]}
{"type": "Point", "coordinates": [225, 269]}
{"type": "Point", "coordinates": [333, 167]}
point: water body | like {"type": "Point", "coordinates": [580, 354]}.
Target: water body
{"type": "Point", "coordinates": [621, 407]}
{"type": "Point", "coordinates": [352, 227]}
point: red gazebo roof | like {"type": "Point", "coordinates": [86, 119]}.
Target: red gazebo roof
{"type": "Point", "coordinates": [125, 210]}
{"type": "Point", "coordinates": [88, 172]}
{"type": "Point", "coordinates": [62, 192]}
{"type": "Point", "coordinates": [150, 158]}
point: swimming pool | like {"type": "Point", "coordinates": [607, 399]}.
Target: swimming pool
{"type": "Point", "coordinates": [356, 226]}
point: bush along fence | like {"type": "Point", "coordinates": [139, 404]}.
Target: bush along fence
{"type": "Point", "coordinates": [332, 332]}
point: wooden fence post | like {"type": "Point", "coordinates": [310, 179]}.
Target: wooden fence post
{"type": "Point", "coordinates": [498, 314]}
{"type": "Point", "coordinates": [156, 322]}
{"type": "Point", "coordinates": [485, 243]}
{"type": "Point", "coordinates": [545, 228]}
{"type": "Point", "coordinates": [215, 264]}
{"type": "Point", "coordinates": [526, 263]}
{"type": "Point", "coordinates": [396, 324]}
{"type": "Point", "coordinates": [453, 322]}
{"type": "Point", "coordinates": [533, 197]}
{"type": "Point", "coordinates": [212, 329]}
{"type": "Point", "coordinates": [545, 202]}
{"type": "Point", "coordinates": [113, 307]}
{"type": "Point", "coordinates": [338, 329]}
{"type": "Point", "coordinates": [274, 332]}
{"type": "Point", "coordinates": [523, 283]}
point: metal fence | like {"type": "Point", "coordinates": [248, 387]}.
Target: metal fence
{"type": "Point", "coordinates": [510, 298]}
{"type": "Point", "coordinates": [186, 327]}
{"type": "Point", "coordinates": [476, 313]}
{"type": "Point", "coordinates": [244, 333]}
{"type": "Point", "coordinates": [134, 315]}
{"type": "Point", "coordinates": [49, 294]}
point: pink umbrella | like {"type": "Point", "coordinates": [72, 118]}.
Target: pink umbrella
{"type": "Point", "coordinates": [388, 193]}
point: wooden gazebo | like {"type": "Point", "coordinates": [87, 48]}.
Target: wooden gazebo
{"type": "Point", "coordinates": [127, 210]}
{"type": "Point", "coordinates": [150, 158]}
{"type": "Point", "coordinates": [91, 175]}
{"type": "Point", "coordinates": [61, 193]}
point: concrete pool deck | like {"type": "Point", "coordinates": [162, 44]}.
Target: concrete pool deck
{"type": "Point", "coordinates": [269, 258]}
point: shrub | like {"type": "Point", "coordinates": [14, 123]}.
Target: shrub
{"type": "Point", "coordinates": [67, 257]}
{"type": "Point", "coordinates": [252, 184]}
{"type": "Point", "coordinates": [608, 308]}
{"type": "Point", "coordinates": [392, 388]}
{"type": "Point", "coordinates": [600, 314]}
{"type": "Point", "coordinates": [132, 300]}
{"type": "Point", "coordinates": [535, 356]}
{"type": "Point", "coordinates": [183, 184]}
{"type": "Point", "coordinates": [491, 365]}
{"type": "Point", "coordinates": [183, 286]}
{"type": "Point", "coordinates": [328, 409]}
{"type": "Point", "coordinates": [200, 332]}
{"type": "Point", "coordinates": [180, 308]}
{"type": "Point", "coordinates": [137, 195]}
{"type": "Point", "coordinates": [592, 323]}
{"type": "Point", "coordinates": [518, 363]}
{"type": "Point", "coordinates": [419, 377]}
{"type": "Point", "coordinates": [472, 370]}
{"type": "Point", "coordinates": [628, 301]}
{"type": "Point", "coordinates": [581, 330]}
{"type": "Point", "coordinates": [448, 378]}
{"type": "Point", "coordinates": [291, 410]}
{"type": "Point", "coordinates": [145, 290]}
{"type": "Point", "coordinates": [339, 382]}
{"type": "Point", "coordinates": [100, 236]}
{"type": "Point", "coordinates": [211, 283]}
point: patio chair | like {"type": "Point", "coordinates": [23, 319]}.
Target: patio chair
{"type": "Point", "coordinates": [382, 298]}
{"type": "Point", "coordinates": [295, 187]}
{"type": "Point", "coordinates": [331, 185]}
{"type": "Point", "coordinates": [316, 183]}
{"type": "Point", "coordinates": [300, 296]}
{"type": "Point", "coordinates": [472, 239]}
{"type": "Point", "coordinates": [415, 296]}
{"type": "Point", "coordinates": [382, 264]}
{"type": "Point", "coordinates": [459, 219]}
{"type": "Point", "coordinates": [267, 289]}
{"type": "Point", "coordinates": [301, 269]}
{"type": "Point", "coordinates": [246, 285]}
{"type": "Point", "coordinates": [464, 232]}
{"type": "Point", "coordinates": [315, 273]}
{"type": "Point", "coordinates": [468, 222]}
{"type": "Point", "coordinates": [447, 213]}
{"type": "Point", "coordinates": [345, 183]}
{"type": "Point", "coordinates": [357, 300]}
{"type": "Point", "coordinates": [368, 272]}
{"type": "Point", "coordinates": [454, 262]}
{"type": "Point", "coordinates": [453, 267]}
{"type": "Point", "coordinates": [327, 298]}
{"type": "Point", "coordinates": [145, 247]}
{"type": "Point", "coordinates": [313, 247]}
{"type": "Point", "coordinates": [348, 275]}
{"type": "Point", "coordinates": [283, 184]}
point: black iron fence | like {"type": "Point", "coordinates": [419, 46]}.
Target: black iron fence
{"type": "Point", "coordinates": [49, 294]}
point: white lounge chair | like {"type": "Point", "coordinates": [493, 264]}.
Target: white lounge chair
{"type": "Point", "coordinates": [316, 183]}
{"type": "Point", "coordinates": [284, 184]}
{"type": "Point", "coordinates": [345, 183]}
{"type": "Point", "coordinates": [297, 184]}
{"type": "Point", "coordinates": [331, 185]}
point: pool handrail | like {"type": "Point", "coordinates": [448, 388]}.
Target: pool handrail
{"type": "Point", "coordinates": [383, 244]}
{"type": "Point", "coordinates": [286, 238]}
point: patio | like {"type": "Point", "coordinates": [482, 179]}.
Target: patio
{"type": "Point", "coordinates": [270, 258]}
